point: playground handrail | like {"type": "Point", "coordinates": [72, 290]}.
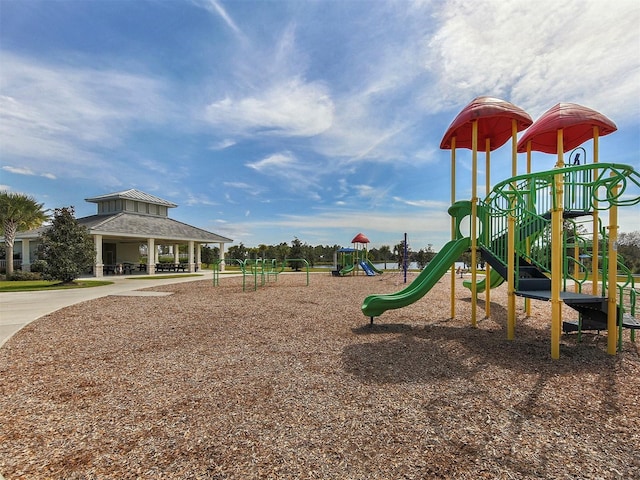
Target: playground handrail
{"type": "Point", "coordinates": [257, 266]}
{"type": "Point", "coordinates": [530, 198]}
{"type": "Point", "coordinates": [585, 193]}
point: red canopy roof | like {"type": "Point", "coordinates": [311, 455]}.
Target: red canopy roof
{"type": "Point", "coordinates": [360, 238]}
{"type": "Point", "coordinates": [494, 122]}
{"type": "Point", "coordinates": [576, 122]}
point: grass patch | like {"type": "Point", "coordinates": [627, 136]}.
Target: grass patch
{"type": "Point", "coordinates": [34, 285]}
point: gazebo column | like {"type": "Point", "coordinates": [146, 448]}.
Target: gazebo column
{"type": "Point", "coordinates": [26, 257]}
{"type": "Point", "coordinates": [192, 265]}
{"type": "Point", "coordinates": [176, 254]}
{"type": "Point", "coordinates": [98, 266]}
{"type": "Point", "coordinates": [198, 256]}
{"type": "Point", "coordinates": [151, 256]}
{"type": "Point", "coordinates": [221, 256]}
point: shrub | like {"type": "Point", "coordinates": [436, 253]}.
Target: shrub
{"type": "Point", "coordinates": [19, 275]}
{"type": "Point", "coordinates": [38, 266]}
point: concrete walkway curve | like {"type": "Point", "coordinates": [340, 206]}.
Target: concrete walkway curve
{"type": "Point", "coordinates": [18, 309]}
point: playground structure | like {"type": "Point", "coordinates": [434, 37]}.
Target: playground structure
{"type": "Point", "coordinates": [355, 258]}
{"type": "Point", "coordinates": [519, 227]}
{"type": "Point", "coordinates": [263, 270]}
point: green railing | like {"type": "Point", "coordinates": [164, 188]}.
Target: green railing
{"type": "Point", "coordinates": [263, 269]}
{"type": "Point", "coordinates": [530, 198]}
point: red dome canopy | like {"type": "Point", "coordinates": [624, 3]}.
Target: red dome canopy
{"type": "Point", "coordinates": [360, 238]}
{"type": "Point", "coordinates": [576, 122]}
{"type": "Point", "coordinates": [494, 122]}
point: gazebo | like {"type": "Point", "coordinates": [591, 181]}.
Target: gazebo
{"type": "Point", "coordinates": [126, 220]}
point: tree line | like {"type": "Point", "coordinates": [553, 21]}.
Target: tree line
{"type": "Point", "coordinates": [628, 251]}
{"type": "Point", "coordinates": [318, 254]}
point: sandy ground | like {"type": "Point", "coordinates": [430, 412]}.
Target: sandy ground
{"type": "Point", "coordinates": [290, 382]}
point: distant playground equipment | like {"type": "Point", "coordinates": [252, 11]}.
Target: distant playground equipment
{"type": "Point", "coordinates": [518, 228]}
{"type": "Point", "coordinates": [263, 270]}
{"type": "Point", "coordinates": [348, 261]}
{"type": "Point", "coordinates": [215, 266]}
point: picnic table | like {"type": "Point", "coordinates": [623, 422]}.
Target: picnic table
{"type": "Point", "coordinates": [125, 268]}
{"type": "Point", "coordinates": [171, 267]}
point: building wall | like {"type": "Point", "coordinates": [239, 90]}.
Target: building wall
{"type": "Point", "coordinates": [127, 252]}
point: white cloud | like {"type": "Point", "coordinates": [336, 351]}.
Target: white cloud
{"type": "Point", "coordinates": [27, 171]}
{"type": "Point", "coordinates": [199, 199]}
{"type": "Point", "coordinates": [536, 54]}
{"type": "Point", "coordinates": [293, 108]}
{"type": "Point", "coordinates": [432, 204]}
{"type": "Point", "coordinates": [249, 189]}
{"type": "Point", "coordinates": [215, 7]}
{"type": "Point", "coordinates": [242, 185]}
{"type": "Point", "coordinates": [223, 144]}
{"type": "Point", "coordinates": [62, 114]}
{"type": "Point", "coordinates": [18, 170]}
{"type": "Point", "coordinates": [293, 175]}
{"type": "Point", "coordinates": [275, 161]}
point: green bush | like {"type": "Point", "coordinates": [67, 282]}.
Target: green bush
{"type": "Point", "coordinates": [38, 266]}
{"type": "Point", "coordinates": [19, 276]}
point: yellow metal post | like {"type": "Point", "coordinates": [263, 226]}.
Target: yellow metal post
{"type": "Point", "coordinates": [453, 225]}
{"type": "Point", "coordinates": [556, 254]}
{"type": "Point", "coordinates": [612, 278]}
{"type": "Point", "coordinates": [474, 212]}
{"type": "Point", "coordinates": [487, 267]}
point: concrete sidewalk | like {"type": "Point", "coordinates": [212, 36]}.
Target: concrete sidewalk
{"type": "Point", "coordinates": [18, 309]}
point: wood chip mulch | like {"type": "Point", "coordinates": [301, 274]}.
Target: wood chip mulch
{"type": "Point", "coordinates": [290, 382]}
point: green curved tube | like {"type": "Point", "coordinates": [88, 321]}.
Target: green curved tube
{"type": "Point", "coordinates": [495, 281]}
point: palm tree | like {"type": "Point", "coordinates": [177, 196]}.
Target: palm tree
{"type": "Point", "coordinates": [18, 212]}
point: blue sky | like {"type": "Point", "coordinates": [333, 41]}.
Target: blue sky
{"type": "Point", "coordinates": [269, 120]}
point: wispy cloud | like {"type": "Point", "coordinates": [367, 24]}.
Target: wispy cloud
{"type": "Point", "coordinates": [296, 175]}
{"type": "Point", "coordinates": [533, 54]}
{"type": "Point", "coordinates": [293, 108]}
{"type": "Point", "coordinates": [193, 198]}
{"type": "Point", "coordinates": [274, 162]}
{"type": "Point", "coordinates": [431, 204]}
{"type": "Point", "coordinates": [223, 144]}
{"type": "Point", "coordinates": [62, 114]}
{"type": "Point", "coordinates": [247, 189]}
{"type": "Point", "coordinates": [27, 171]}
{"type": "Point", "coordinates": [538, 54]}
{"type": "Point", "coordinates": [215, 7]}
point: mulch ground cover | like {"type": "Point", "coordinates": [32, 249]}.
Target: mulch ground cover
{"type": "Point", "coordinates": [291, 382]}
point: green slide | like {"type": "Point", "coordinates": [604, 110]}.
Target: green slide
{"type": "Point", "coordinates": [347, 270]}
{"type": "Point", "coordinates": [495, 281]}
{"type": "Point", "coordinates": [376, 305]}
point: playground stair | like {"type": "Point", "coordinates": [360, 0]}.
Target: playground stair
{"type": "Point", "coordinates": [533, 283]}
{"type": "Point", "coordinates": [529, 199]}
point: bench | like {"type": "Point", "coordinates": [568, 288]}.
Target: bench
{"type": "Point", "coordinates": [120, 269]}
